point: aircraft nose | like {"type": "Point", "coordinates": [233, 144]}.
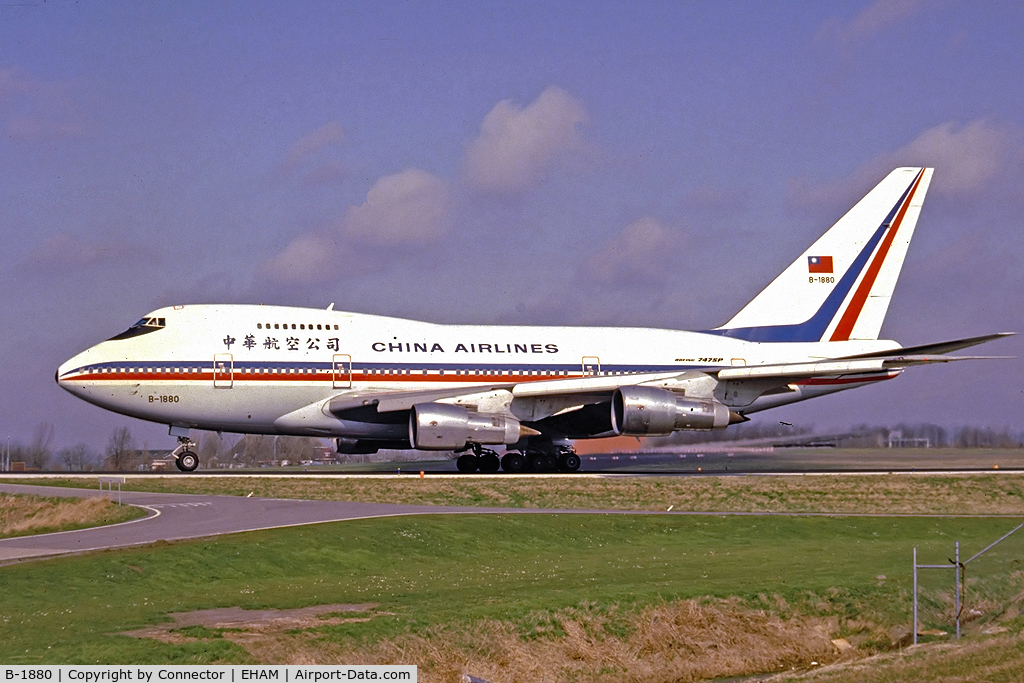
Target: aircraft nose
{"type": "Point", "coordinates": [65, 374]}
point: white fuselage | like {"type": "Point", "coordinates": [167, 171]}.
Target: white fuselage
{"type": "Point", "coordinates": [246, 368]}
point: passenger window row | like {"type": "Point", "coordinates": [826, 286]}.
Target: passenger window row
{"type": "Point", "coordinates": [284, 326]}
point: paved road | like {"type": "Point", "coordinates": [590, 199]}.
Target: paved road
{"type": "Point", "coordinates": [175, 516]}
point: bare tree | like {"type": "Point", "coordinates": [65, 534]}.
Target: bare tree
{"type": "Point", "coordinates": [256, 447]}
{"type": "Point", "coordinates": [39, 452]}
{"type": "Point", "coordinates": [15, 452]}
{"type": "Point", "coordinates": [120, 450]}
{"type": "Point", "coordinates": [295, 449]}
{"type": "Point", "coordinates": [77, 458]}
{"type": "Point", "coordinates": [214, 447]}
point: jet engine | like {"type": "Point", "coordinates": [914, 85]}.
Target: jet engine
{"type": "Point", "coordinates": [445, 427]}
{"type": "Point", "coordinates": [649, 411]}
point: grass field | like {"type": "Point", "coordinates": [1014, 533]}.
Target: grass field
{"type": "Point", "coordinates": [24, 515]}
{"type": "Point", "coordinates": [559, 597]}
{"type": "Point", "coordinates": [989, 494]}
{"type": "Point", "coordinates": [507, 596]}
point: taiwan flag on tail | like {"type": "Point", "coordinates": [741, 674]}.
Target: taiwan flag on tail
{"type": "Point", "coordinates": [819, 264]}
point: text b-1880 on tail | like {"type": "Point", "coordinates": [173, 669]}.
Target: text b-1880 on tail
{"type": "Point", "coordinates": [373, 382]}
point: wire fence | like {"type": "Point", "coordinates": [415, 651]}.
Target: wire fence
{"type": "Point", "coordinates": [973, 587]}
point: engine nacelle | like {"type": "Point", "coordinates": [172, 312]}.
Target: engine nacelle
{"type": "Point", "coordinates": [446, 427]}
{"type": "Point", "coordinates": [649, 411]}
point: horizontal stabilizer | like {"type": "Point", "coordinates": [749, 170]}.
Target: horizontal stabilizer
{"type": "Point", "coordinates": [939, 348]}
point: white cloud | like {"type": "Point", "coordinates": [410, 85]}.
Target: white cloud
{"type": "Point", "coordinates": [639, 252]}
{"type": "Point", "coordinates": [306, 259]}
{"type": "Point", "coordinates": [873, 19]}
{"type": "Point", "coordinates": [966, 158]}
{"type": "Point", "coordinates": [408, 206]}
{"type": "Point", "coordinates": [308, 145]}
{"type": "Point", "coordinates": [518, 145]}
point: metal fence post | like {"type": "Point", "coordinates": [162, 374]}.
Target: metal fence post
{"type": "Point", "coordinates": [915, 597]}
{"type": "Point", "coordinates": [956, 568]}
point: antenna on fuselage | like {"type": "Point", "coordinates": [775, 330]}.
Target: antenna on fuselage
{"type": "Point", "coordinates": [331, 307]}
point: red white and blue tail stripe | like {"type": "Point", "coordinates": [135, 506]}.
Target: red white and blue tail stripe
{"type": "Point", "coordinates": [840, 288]}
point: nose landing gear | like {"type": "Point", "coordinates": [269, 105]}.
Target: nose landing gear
{"type": "Point", "coordinates": [185, 458]}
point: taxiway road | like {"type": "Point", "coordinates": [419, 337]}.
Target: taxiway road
{"type": "Point", "coordinates": [177, 516]}
{"type": "Point", "coordinates": [180, 516]}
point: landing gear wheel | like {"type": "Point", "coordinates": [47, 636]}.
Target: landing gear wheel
{"type": "Point", "coordinates": [468, 463]}
{"type": "Point", "coordinates": [485, 460]}
{"type": "Point", "coordinates": [538, 462]}
{"type": "Point", "coordinates": [187, 461]}
{"type": "Point", "coordinates": [569, 462]}
{"type": "Point", "coordinates": [489, 462]}
{"type": "Point", "coordinates": [513, 463]}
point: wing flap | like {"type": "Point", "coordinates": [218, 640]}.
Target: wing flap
{"type": "Point", "coordinates": [797, 370]}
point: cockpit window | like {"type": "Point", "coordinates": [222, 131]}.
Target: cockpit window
{"type": "Point", "coordinates": [143, 326]}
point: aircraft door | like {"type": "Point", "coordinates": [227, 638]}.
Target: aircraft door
{"type": "Point", "coordinates": [223, 371]}
{"type": "Point", "coordinates": [591, 366]}
{"type": "Point", "coordinates": [342, 371]}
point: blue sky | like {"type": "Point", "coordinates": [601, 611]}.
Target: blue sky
{"type": "Point", "coordinates": [580, 163]}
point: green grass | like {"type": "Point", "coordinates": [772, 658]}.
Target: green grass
{"type": "Point", "coordinates": [25, 515]}
{"type": "Point", "coordinates": [429, 570]}
{"type": "Point", "coordinates": [881, 494]}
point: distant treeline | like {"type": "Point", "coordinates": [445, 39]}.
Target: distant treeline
{"type": "Point", "coordinates": [122, 453]}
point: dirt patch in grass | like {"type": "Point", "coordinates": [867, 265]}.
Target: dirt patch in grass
{"type": "Point", "coordinates": [684, 640]}
{"type": "Point", "coordinates": [244, 623]}
{"type": "Point", "coordinates": [23, 515]}
{"type": "Point", "coordinates": [989, 659]}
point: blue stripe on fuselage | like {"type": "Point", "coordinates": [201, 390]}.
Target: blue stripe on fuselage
{"type": "Point", "coordinates": [239, 367]}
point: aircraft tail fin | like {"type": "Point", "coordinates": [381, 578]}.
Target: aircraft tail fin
{"type": "Point", "coordinates": [839, 289]}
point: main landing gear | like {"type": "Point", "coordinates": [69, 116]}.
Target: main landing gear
{"type": "Point", "coordinates": [558, 459]}
{"type": "Point", "coordinates": [483, 459]}
{"type": "Point", "coordinates": [185, 457]}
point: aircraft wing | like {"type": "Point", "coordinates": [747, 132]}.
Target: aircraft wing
{"type": "Point", "coordinates": [392, 401]}
{"type": "Point", "coordinates": [601, 385]}
{"type": "Point", "coordinates": [540, 399]}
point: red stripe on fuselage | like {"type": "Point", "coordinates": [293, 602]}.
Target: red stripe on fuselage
{"type": "Point", "coordinates": [852, 312]}
{"type": "Point", "coordinates": [359, 376]}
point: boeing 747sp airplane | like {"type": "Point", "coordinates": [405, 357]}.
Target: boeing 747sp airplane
{"type": "Point", "coordinates": [372, 382]}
